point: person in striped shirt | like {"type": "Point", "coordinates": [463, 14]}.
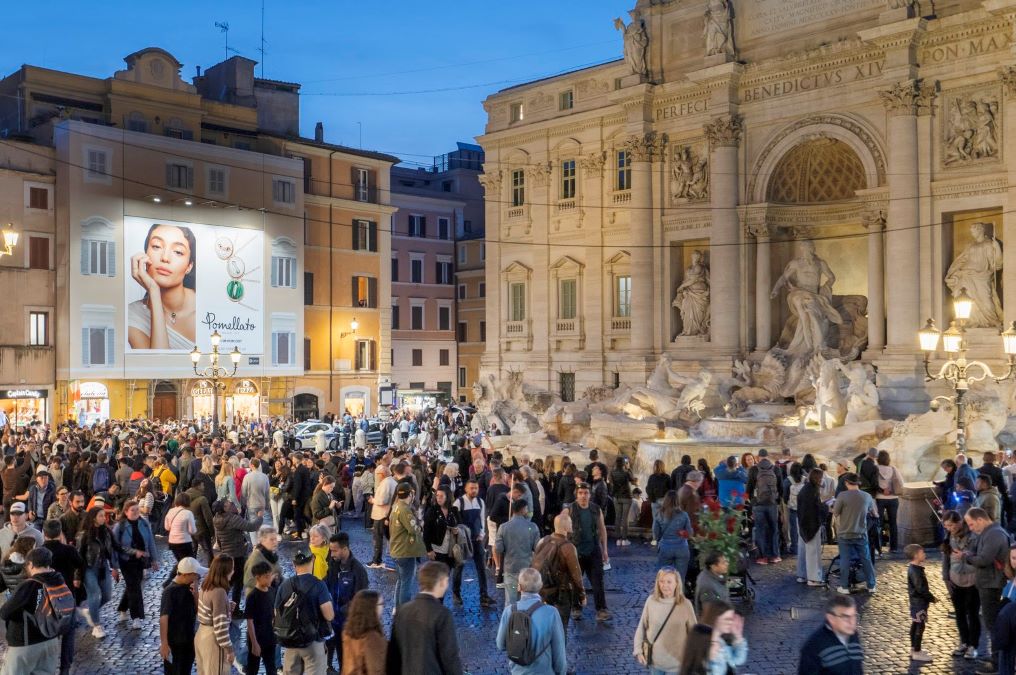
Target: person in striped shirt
{"type": "Point", "coordinates": [213, 650]}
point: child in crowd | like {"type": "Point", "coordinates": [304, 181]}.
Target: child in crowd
{"type": "Point", "coordinates": [920, 599]}
{"type": "Point", "coordinates": [259, 611]}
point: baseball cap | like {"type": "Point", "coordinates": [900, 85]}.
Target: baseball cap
{"type": "Point", "coordinates": [190, 565]}
{"type": "Point", "coordinates": [18, 507]}
{"type": "Point", "coordinates": [302, 557]}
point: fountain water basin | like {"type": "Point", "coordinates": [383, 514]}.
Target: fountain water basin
{"type": "Point", "coordinates": [738, 429]}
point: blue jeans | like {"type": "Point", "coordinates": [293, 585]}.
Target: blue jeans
{"type": "Point", "coordinates": [767, 530]}
{"type": "Point", "coordinates": [406, 567]}
{"type": "Point", "coordinates": [851, 548]}
{"type": "Point", "coordinates": [792, 525]}
{"type": "Point", "coordinates": [675, 556]}
{"type": "Point", "coordinates": [98, 588]}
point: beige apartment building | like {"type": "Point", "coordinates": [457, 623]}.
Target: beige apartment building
{"type": "Point", "coordinates": [269, 219]}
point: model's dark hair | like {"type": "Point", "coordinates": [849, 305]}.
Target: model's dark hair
{"type": "Point", "coordinates": [188, 279]}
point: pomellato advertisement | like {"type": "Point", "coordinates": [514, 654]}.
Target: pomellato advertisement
{"type": "Point", "coordinates": [185, 280]}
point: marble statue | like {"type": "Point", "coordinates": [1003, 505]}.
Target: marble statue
{"type": "Point", "coordinates": [862, 394]}
{"type": "Point", "coordinates": [693, 394]}
{"type": "Point", "coordinates": [636, 43]}
{"type": "Point", "coordinates": [692, 297]}
{"type": "Point", "coordinates": [974, 270]}
{"type": "Point", "coordinates": [809, 299]}
{"type": "Point", "coordinates": [830, 408]}
{"type": "Point", "coordinates": [719, 28]}
{"type": "Point", "coordinates": [972, 130]}
{"type": "Point", "coordinates": [690, 175]}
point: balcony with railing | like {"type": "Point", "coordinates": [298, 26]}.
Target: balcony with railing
{"type": "Point", "coordinates": [565, 206]}
{"type": "Point", "coordinates": [515, 329]}
{"type": "Point", "coordinates": [520, 212]}
{"type": "Point", "coordinates": [620, 324]}
{"type": "Point", "coordinates": [620, 197]}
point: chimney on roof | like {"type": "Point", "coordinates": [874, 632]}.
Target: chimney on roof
{"type": "Point", "coordinates": [199, 70]}
{"type": "Point", "coordinates": [319, 132]}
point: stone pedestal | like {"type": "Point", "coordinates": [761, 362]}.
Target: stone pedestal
{"type": "Point", "coordinates": [916, 520]}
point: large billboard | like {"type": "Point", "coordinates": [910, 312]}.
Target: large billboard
{"type": "Point", "coordinates": [185, 280]}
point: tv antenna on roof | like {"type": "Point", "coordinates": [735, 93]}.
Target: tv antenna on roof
{"type": "Point", "coordinates": [264, 43]}
{"type": "Point", "coordinates": [223, 27]}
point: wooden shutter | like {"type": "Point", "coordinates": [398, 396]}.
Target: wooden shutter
{"type": "Point", "coordinates": [86, 350]}
{"type": "Point", "coordinates": [356, 235]}
{"type": "Point", "coordinates": [372, 234]}
{"type": "Point", "coordinates": [86, 253]}
{"type": "Point", "coordinates": [372, 352]}
{"type": "Point", "coordinates": [38, 253]}
{"type": "Point", "coordinates": [353, 180]}
{"type": "Point", "coordinates": [308, 288]}
{"type": "Point", "coordinates": [190, 177]}
{"type": "Point", "coordinates": [306, 353]}
{"type": "Point", "coordinates": [356, 291]}
{"type": "Point", "coordinates": [423, 227]}
{"type": "Point", "coordinates": [111, 258]}
{"type": "Point", "coordinates": [110, 346]}
{"type": "Point", "coordinates": [169, 176]}
{"type": "Point", "coordinates": [437, 273]}
{"type": "Point", "coordinates": [371, 292]}
{"type": "Point", "coordinates": [292, 272]}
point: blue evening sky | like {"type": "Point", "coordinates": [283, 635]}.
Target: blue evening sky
{"type": "Point", "coordinates": [448, 55]}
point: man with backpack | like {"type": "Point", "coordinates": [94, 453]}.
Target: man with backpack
{"type": "Point", "coordinates": [557, 561]}
{"type": "Point", "coordinates": [531, 633]}
{"type": "Point", "coordinates": [39, 611]}
{"type": "Point", "coordinates": [303, 617]}
{"type": "Point", "coordinates": [765, 510]}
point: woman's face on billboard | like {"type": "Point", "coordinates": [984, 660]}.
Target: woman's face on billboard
{"type": "Point", "coordinates": [169, 256]}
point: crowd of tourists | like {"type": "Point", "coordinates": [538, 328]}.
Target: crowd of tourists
{"type": "Point", "coordinates": [90, 507]}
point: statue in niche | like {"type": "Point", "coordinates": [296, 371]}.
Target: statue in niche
{"type": "Point", "coordinates": [974, 270]}
{"type": "Point", "coordinates": [862, 394]}
{"type": "Point", "coordinates": [972, 131]}
{"type": "Point", "coordinates": [636, 43]}
{"type": "Point", "coordinates": [809, 299]}
{"type": "Point", "coordinates": [692, 297]}
{"type": "Point", "coordinates": [690, 175]}
{"type": "Point", "coordinates": [719, 28]}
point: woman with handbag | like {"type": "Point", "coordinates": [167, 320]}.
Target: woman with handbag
{"type": "Point", "coordinates": [667, 618]}
{"type": "Point", "coordinates": [137, 553]}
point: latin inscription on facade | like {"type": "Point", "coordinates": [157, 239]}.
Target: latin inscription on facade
{"type": "Point", "coordinates": [966, 48]}
{"type": "Point", "coordinates": [764, 17]}
{"type": "Point", "coordinates": [682, 109]}
{"type": "Point", "coordinates": [811, 81]}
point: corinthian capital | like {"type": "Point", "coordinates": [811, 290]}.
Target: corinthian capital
{"type": "Point", "coordinates": [491, 181]}
{"type": "Point", "coordinates": [539, 173]}
{"type": "Point", "coordinates": [592, 164]}
{"type": "Point", "coordinates": [724, 131]}
{"type": "Point", "coordinates": [903, 98]}
{"type": "Point", "coordinates": [646, 147]}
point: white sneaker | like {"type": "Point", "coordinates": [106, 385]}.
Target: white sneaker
{"type": "Point", "coordinates": [627, 542]}
{"type": "Point", "coordinates": [842, 591]}
{"type": "Point", "coordinates": [137, 624]}
{"type": "Point", "coordinates": [652, 543]}
{"type": "Point", "coordinates": [83, 611]}
{"type": "Point", "coordinates": [124, 617]}
{"type": "Point", "coordinates": [239, 668]}
{"type": "Point", "coordinates": [921, 656]}
{"type": "Point", "coordinates": [98, 632]}
{"type": "Point", "coordinates": [618, 543]}
{"type": "Point", "coordinates": [971, 653]}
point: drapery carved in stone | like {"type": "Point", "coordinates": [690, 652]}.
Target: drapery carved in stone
{"type": "Point", "coordinates": [724, 131]}
{"type": "Point", "coordinates": [902, 98]}
{"type": "Point", "coordinates": [646, 147]}
{"type": "Point", "coordinates": [592, 164]}
{"type": "Point", "coordinates": [689, 174]}
{"type": "Point", "coordinates": [971, 129]}
{"type": "Point", "coordinates": [539, 173]}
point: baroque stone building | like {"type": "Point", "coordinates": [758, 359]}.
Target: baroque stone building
{"type": "Point", "coordinates": [756, 177]}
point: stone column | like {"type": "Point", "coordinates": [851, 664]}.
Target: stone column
{"type": "Point", "coordinates": [902, 232]}
{"type": "Point", "coordinates": [724, 134]}
{"type": "Point", "coordinates": [763, 286]}
{"type": "Point", "coordinates": [643, 149]}
{"type": "Point", "coordinates": [874, 222]}
{"type": "Point", "coordinates": [1007, 75]}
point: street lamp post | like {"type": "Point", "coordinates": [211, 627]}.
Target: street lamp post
{"type": "Point", "coordinates": [958, 371]}
{"type": "Point", "coordinates": [214, 372]}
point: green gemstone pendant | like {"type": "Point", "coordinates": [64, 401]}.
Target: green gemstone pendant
{"type": "Point", "coordinates": [234, 289]}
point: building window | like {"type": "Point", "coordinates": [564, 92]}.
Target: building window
{"type": "Point", "coordinates": [395, 269]}
{"type": "Point", "coordinates": [283, 348]}
{"type": "Point", "coordinates": [463, 253]}
{"type": "Point", "coordinates": [98, 164]}
{"type": "Point", "coordinates": [308, 288]}
{"type": "Point", "coordinates": [566, 386]}
{"type": "Point", "coordinates": [38, 329]}
{"type": "Point", "coordinates": [98, 258]}
{"type": "Point", "coordinates": [462, 334]}
{"type": "Point", "coordinates": [137, 122]}
{"type": "Point", "coordinates": [483, 289]}
{"type": "Point", "coordinates": [416, 271]}
{"type": "Point", "coordinates": [364, 291]}
{"type": "Point", "coordinates": [462, 291]}
{"type": "Point", "coordinates": [617, 83]}
{"type": "Point", "coordinates": [443, 230]}
{"type": "Point", "coordinates": [483, 331]}
{"type": "Point", "coordinates": [38, 198]}
{"type": "Point", "coordinates": [616, 380]}
{"type": "Point", "coordinates": [567, 298]}
{"type": "Point", "coordinates": [38, 253]}
{"type": "Point", "coordinates": [306, 354]}
{"type": "Point", "coordinates": [623, 170]}
{"type": "Point", "coordinates": [417, 226]}
{"type": "Point", "coordinates": [517, 302]}
{"type": "Point", "coordinates": [283, 191]}
{"type": "Point", "coordinates": [365, 355]}
{"type": "Point", "coordinates": [283, 272]}
{"type": "Point", "coordinates": [518, 187]}
{"type": "Point", "coordinates": [622, 295]}
{"type": "Point", "coordinates": [362, 184]}
{"type": "Point", "coordinates": [416, 317]}
{"type": "Point", "coordinates": [516, 113]}
{"type": "Point", "coordinates": [443, 357]}
{"type": "Point", "coordinates": [566, 101]}
{"type": "Point", "coordinates": [395, 317]}
{"type": "Point", "coordinates": [97, 346]}
{"type": "Point", "coordinates": [467, 226]}
{"type": "Point", "coordinates": [417, 357]}
{"type": "Point", "coordinates": [179, 176]}
{"type": "Point", "coordinates": [447, 185]}
{"type": "Point", "coordinates": [444, 272]}
{"type": "Point", "coordinates": [462, 378]}
{"type": "Point", "coordinates": [568, 179]}
{"type": "Point", "coordinates": [444, 318]}
{"type": "Point", "coordinates": [216, 181]}
{"type": "Point", "coordinates": [364, 235]}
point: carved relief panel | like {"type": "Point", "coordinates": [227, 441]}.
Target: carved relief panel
{"type": "Point", "coordinates": [689, 174]}
{"type": "Point", "coordinates": [971, 127]}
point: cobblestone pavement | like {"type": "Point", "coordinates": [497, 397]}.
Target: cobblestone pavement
{"type": "Point", "coordinates": [783, 614]}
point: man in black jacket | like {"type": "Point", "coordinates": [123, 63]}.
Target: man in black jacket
{"type": "Point", "coordinates": [68, 562]}
{"type": "Point", "coordinates": [231, 533]}
{"type": "Point", "coordinates": [423, 631]}
{"type": "Point", "coordinates": [303, 487]}
{"type": "Point", "coordinates": [834, 649]}
{"type": "Point", "coordinates": [28, 650]}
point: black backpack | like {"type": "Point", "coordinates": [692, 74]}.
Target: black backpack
{"type": "Point", "coordinates": [766, 490]}
{"type": "Point", "coordinates": [520, 644]}
{"type": "Point", "coordinates": [296, 619]}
